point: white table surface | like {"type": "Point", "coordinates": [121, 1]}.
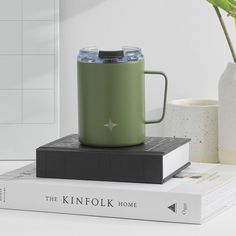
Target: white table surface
{"type": "Point", "coordinates": [34, 223]}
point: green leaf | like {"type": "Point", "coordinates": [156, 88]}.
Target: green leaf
{"type": "Point", "coordinates": [227, 5]}
{"type": "Point", "coordinates": [223, 4]}
{"type": "Point", "coordinates": [232, 5]}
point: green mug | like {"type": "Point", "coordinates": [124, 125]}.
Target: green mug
{"type": "Point", "coordinates": [111, 97]}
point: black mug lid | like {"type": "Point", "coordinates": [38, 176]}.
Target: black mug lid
{"type": "Point", "coordinates": [111, 54]}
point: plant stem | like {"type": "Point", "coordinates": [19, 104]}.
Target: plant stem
{"type": "Point", "coordinates": [226, 33]}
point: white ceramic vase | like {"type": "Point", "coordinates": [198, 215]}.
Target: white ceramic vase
{"type": "Point", "coordinates": [195, 119]}
{"type": "Point", "coordinates": [227, 115]}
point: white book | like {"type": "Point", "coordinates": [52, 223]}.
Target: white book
{"type": "Point", "coordinates": [193, 196]}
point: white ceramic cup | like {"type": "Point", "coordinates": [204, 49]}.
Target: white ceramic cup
{"type": "Point", "coordinates": [196, 119]}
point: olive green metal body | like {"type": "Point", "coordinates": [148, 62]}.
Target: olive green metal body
{"type": "Point", "coordinates": [112, 104]}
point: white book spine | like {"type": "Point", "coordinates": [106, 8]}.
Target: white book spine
{"type": "Point", "coordinates": [100, 201]}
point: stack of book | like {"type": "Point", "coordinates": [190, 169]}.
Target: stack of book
{"type": "Point", "coordinates": [112, 183]}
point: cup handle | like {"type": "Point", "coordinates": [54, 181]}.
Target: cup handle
{"type": "Point", "coordinates": [165, 95]}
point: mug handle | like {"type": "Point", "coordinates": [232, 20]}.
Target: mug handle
{"type": "Point", "coordinates": [165, 95]}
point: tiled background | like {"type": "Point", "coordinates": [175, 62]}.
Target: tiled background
{"type": "Point", "coordinates": [27, 50]}
{"type": "Point", "coordinates": [28, 67]}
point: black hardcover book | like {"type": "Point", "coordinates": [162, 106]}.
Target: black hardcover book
{"type": "Point", "coordinates": [155, 161]}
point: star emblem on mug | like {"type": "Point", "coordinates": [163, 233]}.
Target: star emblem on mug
{"type": "Point", "coordinates": [110, 125]}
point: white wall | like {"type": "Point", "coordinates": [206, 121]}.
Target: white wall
{"type": "Point", "coordinates": [182, 38]}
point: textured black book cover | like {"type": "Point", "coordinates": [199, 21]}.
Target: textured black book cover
{"type": "Point", "coordinates": [66, 158]}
